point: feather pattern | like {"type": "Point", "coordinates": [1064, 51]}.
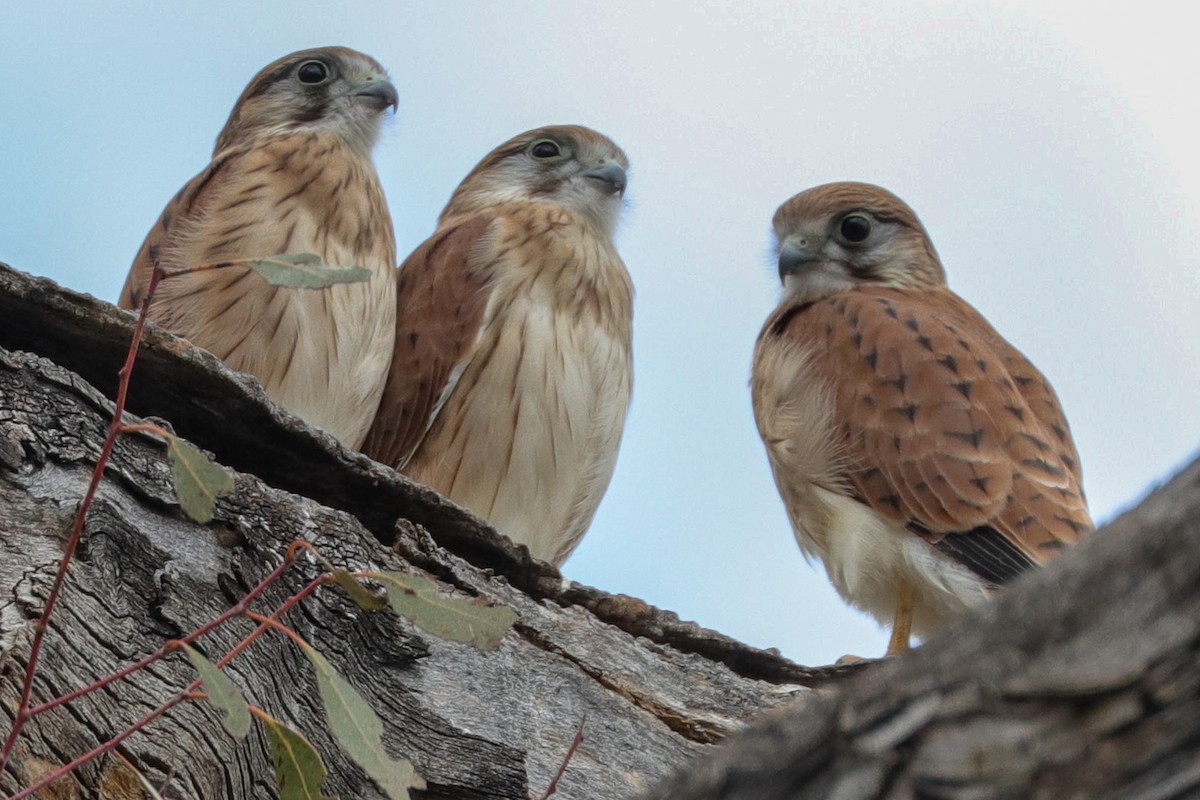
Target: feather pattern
{"type": "Point", "coordinates": [512, 372]}
{"type": "Point", "coordinates": [284, 186]}
{"type": "Point", "coordinates": [909, 440]}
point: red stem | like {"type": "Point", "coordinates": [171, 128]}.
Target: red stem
{"type": "Point", "coordinates": [106, 449]}
{"type": "Point", "coordinates": [235, 610]}
{"type": "Point", "coordinates": [99, 750]}
{"type": "Point", "coordinates": [578, 740]}
{"type": "Point", "coordinates": [313, 585]}
{"type": "Point", "coordinates": [147, 428]}
{"type": "Point", "coordinates": [268, 622]}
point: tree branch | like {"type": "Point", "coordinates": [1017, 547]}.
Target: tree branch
{"type": "Point", "coordinates": [1081, 681]}
{"type": "Point", "coordinates": [475, 724]}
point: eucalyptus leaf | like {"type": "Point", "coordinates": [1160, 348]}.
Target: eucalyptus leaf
{"type": "Point", "coordinates": [365, 599]}
{"type": "Point", "coordinates": [459, 619]}
{"type": "Point", "coordinates": [198, 481]}
{"type": "Point", "coordinates": [304, 271]}
{"type": "Point", "coordinates": [222, 693]}
{"type": "Point", "coordinates": [358, 730]}
{"type": "Point", "coordinates": [299, 771]}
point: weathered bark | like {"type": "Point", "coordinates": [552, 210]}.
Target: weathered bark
{"type": "Point", "coordinates": [228, 414]}
{"type": "Point", "coordinates": [1080, 681]}
{"type": "Point", "coordinates": [656, 691]}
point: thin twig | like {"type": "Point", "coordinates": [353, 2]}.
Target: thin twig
{"type": "Point", "coordinates": [235, 610]}
{"type": "Point", "coordinates": [267, 622]}
{"type": "Point", "coordinates": [114, 429]}
{"type": "Point", "coordinates": [184, 694]}
{"type": "Point", "coordinates": [286, 606]}
{"type": "Point", "coordinates": [326, 564]}
{"type": "Point", "coordinates": [578, 740]}
{"type": "Point", "coordinates": [236, 262]}
{"type": "Point", "coordinates": [147, 427]}
{"type": "Point", "coordinates": [100, 750]}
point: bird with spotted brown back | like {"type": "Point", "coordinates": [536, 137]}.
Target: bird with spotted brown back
{"type": "Point", "coordinates": [512, 370]}
{"type": "Point", "coordinates": [291, 173]}
{"type": "Point", "coordinates": [921, 457]}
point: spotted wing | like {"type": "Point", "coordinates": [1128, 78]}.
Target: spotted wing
{"type": "Point", "coordinates": [946, 428]}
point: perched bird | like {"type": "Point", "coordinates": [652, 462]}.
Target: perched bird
{"type": "Point", "coordinates": [512, 368]}
{"type": "Point", "coordinates": [291, 173]}
{"type": "Point", "coordinates": [920, 456]}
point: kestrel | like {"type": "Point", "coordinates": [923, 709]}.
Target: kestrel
{"type": "Point", "coordinates": [512, 368]}
{"type": "Point", "coordinates": [920, 456]}
{"type": "Point", "coordinates": [291, 173]}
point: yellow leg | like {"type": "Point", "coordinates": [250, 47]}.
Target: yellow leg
{"type": "Point", "coordinates": [902, 624]}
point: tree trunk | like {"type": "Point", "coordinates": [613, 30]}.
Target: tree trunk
{"type": "Point", "coordinates": [497, 724]}
{"type": "Point", "coordinates": [1081, 681]}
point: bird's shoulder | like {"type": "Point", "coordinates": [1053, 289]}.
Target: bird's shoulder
{"type": "Point", "coordinates": [191, 203]}
{"type": "Point", "coordinates": [441, 297]}
{"type": "Point", "coordinates": [945, 426]}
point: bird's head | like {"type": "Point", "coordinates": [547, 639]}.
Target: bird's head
{"type": "Point", "coordinates": [333, 89]}
{"type": "Point", "coordinates": [838, 236]}
{"type": "Point", "coordinates": [567, 165]}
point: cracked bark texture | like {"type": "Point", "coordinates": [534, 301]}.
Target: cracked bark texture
{"type": "Point", "coordinates": [1081, 682]}
{"type": "Point", "coordinates": [656, 691]}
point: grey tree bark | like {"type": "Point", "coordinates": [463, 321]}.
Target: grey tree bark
{"type": "Point", "coordinates": [656, 691]}
{"type": "Point", "coordinates": [1080, 682]}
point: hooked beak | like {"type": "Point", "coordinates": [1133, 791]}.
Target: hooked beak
{"type": "Point", "coordinates": [794, 257]}
{"type": "Point", "coordinates": [611, 175]}
{"type": "Point", "coordinates": [379, 94]}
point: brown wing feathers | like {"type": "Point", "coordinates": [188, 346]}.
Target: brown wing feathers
{"type": "Point", "coordinates": [440, 299]}
{"type": "Point", "coordinates": [937, 431]}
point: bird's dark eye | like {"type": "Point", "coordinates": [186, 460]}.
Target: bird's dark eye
{"type": "Point", "coordinates": [855, 228]}
{"type": "Point", "coordinates": [312, 72]}
{"type": "Point", "coordinates": [545, 149]}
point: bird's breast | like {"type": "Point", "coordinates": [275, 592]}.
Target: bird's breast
{"type": "Point", "coordinates": [865, 555]}
{"type": "Point", "coordinates": [795, 414]}
{"type": "Point", "coordinates": [529, 437]}
{"type": "Point", "coordinates": [323, 353]}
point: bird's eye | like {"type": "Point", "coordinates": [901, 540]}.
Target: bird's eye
{"type": "Point", "coordinates": [544, 148]}
{"type": "Point", "coordinates": [855, 228]}
{"type": "Point", "coordinates": [312, 72]}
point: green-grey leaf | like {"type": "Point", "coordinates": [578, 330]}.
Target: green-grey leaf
{"type": "Point", "coordinates": [358, 731]}
{"type": "Point", "coordinates": [198, 481]}
{"type": "Point", "coordinates": [459, 619]}
{"type": "Point", "coordinates": [305, 271]}
{"type": "Point", "coordinates": [298, 767]}
{"type": "Point", "coordinates": [222, 693]}
{"type": "Point", "coordinates": [358, 593]}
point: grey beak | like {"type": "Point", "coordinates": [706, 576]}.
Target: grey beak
{"type": "Point", "coordinates": [379, 94]}
{"type": "Point", "coordinates": [611, 174]}
{"type": "Point", "coordinates": [793, 258]}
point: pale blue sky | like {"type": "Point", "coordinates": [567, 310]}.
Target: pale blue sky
{"type": "Point", "coordinates": [1048, 147]}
